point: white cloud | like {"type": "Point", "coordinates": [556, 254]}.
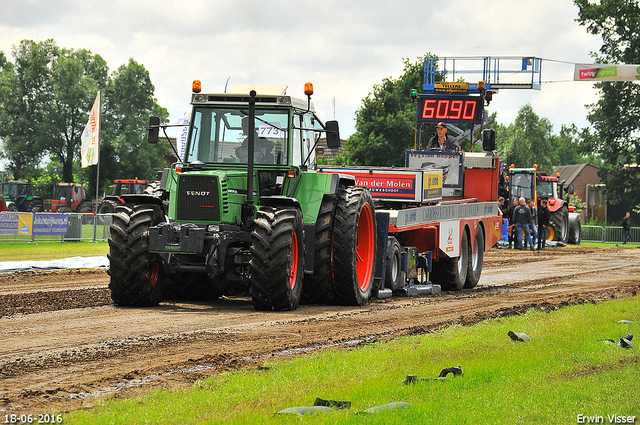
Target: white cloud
{"type": "Point", "coordinates": [343, 47]}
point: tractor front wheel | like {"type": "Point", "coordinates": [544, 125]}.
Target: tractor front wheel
{"type": "Point", "coordinates": [136, 280]}
{"type": "Point", "coordinates": [277, 259]}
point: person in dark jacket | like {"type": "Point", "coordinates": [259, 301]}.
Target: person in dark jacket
{"type": "Point", "coordinates": [442, 142]}
{"type": "Point", "coordinates": [522, 219]}
{"type": "Point", "coordinates": [544, 217]}
{"type": "Point", "coordinates": [534, 220]}
{"type": "Point", "coordinates": [626, 227]}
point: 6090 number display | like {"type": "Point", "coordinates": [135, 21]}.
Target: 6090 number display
{"type": "Point", "coordinates": [453, 109]}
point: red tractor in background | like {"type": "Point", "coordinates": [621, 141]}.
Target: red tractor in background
{"type": "Point", "coordinates": [529, 183]}
{"type": "Point", "coordinates": [121, 187]}
{"type": "Point", "coordinates": [69, 197]}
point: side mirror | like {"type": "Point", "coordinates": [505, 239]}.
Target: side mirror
{"type": "Point", "coordinates": [488, 140]}
{"type": "Point", "coordinates": [154, 129]}
{"type": "Point", "coordinates": [333, 134]}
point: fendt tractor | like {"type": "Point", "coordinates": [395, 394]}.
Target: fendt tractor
{"type": "Point", "coordinates": [247, 210]}
{"type": "Point", "coordinates": [19, 196]}
{"type": "Point", "coordinates": [529, 183]}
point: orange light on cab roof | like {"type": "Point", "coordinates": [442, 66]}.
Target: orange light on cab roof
{"type": "Point", "coordinates": [291, 174]}
{"type": "Point", "coordinates": [178, 170]}
{"type": "Point", "coordinates": [535, 166]}
{"type": "Point", "coordinates": [512, 166]}
{"type": "Point", "coordinates": [308, 89]}
{"type": "Point", "coordinates": [481, 85]}
{"type": "Point", "coordinates": [196, 86]}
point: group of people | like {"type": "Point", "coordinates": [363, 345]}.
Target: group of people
{"type": "Point", "coordinates": [526, 220]}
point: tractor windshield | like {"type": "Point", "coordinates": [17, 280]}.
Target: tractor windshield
{"type": "Point", "coordinates": [220, 135]}
{"type": "Point", "coordinates": [522, 186]}
{"type": "Point", "coordinates": [547, 189]}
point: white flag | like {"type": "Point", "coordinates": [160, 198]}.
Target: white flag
{"type": "Point", "coordinates": [89, 151]}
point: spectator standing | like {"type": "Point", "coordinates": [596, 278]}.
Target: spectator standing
{"type": "Point", "coordinates": [544, 217]}
{"type": "Point", "coordinates": [512, 236]}
{"type": "Point", "coordinates": [534, 217]}
{"type": "Point", "coordinates": [522, 219]}
{"type": "Point", "coordinates": [626, 227]}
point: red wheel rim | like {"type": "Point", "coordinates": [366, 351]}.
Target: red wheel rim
{"type": "Point", "coordinates": [154, 273]}
{"type": "Point", "coordinates": [294, 267]}
{"type": "Point", "coordinates": [365, 247]}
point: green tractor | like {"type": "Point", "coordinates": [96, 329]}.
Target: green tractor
{"type": "Point", "coordinates": [18, 196]}
{"type": "Point", "coordinates": [246, 211]}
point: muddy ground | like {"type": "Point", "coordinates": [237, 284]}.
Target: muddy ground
{"type": "Point", "coordinates": [64, 345]}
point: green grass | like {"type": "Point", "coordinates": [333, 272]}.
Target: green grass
{"type": "Point", "coordinates": [561, 372]}
{"type": "Point", "coordinates": [50, 250]}
{"type": "Point", "coordinates": [609, 245]}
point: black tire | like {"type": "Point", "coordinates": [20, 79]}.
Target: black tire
{"type": "Point", "coordinates": [135, 279]}
{"type": "Point", "coordinates": [354, 234]}
{"type": "Point", "coordinates": [476, 259]}
{"type": "Point", "coordinates": [107, 207]}
{"type": "Point", "coordinates": [192, 287]}
{"type": "Point", "coordinates": [277, 259]}
{"type": "Point", "coordinates": [393, 271]}
{"type": "Point", "coordinates": [559, 225]}
{"type": "Point", "coordinates": [575, 229]}
{"type": "Point", "coordinates": [35, 206]}
{"type": "Point", "coordinates": [318, 287]}
{"type": "Point", "coordinates": [451, 273]}
{"type": "Point", "coordinates": [85, 207]}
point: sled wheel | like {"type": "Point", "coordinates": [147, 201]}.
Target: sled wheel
{"type": "Point", "coordinates": [393, 271]}
{"type": "Point", "coordinates": [476, 259]}
{"type": "Point", "coordinates": [451, 273]}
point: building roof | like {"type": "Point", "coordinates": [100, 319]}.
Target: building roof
{"type": "Point", "coordinates": [570, 172]}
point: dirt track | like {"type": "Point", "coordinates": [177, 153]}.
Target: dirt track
{"type": "Point", "coordinates": [63, 344]}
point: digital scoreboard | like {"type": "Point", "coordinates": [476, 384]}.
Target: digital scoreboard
{"type": "Point", "coordinates": [450, 108]}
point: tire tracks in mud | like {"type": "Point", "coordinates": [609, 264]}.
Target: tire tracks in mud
{"type": "Point", "coordinates": [73, 370]}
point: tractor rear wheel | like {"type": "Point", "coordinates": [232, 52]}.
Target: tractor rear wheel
{"type": "Point", "coordinates": [354, 234]}
{"type": "Point", "coordinates": [575, 229]}
{"type": "Point", "coordinates": [451, 272]}
{"type": "Point", "coordinates": [558, 229]}
{"type": "Point", "coordinates": [277, 259]}
{"type": "Point", "coordinates": [318, 287]}
{"type": "Point", "coordinates": [476, 258]}
{"type": "Point", "coordinates": [136, 280]}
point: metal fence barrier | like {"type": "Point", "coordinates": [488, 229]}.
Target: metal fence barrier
{"type": "Point", "coordinates": [611, 234]}
{"type": "Point", "coordinates": [81, 227]}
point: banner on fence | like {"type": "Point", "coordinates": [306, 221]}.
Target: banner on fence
{"type": "Point", "coordinates": [15, 223]}
{"type": "Point", "coordinates": [33, 224]}
{"type": "Point", "coordinates": [50, 224]}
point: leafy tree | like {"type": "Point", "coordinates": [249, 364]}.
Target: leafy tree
{"type": "Point", "coordinates": [616, 116]}
{"type": "Point", "coordinates": [527, 141]}
{"type": "Point", "coordinates": [386, 121]}
{"type": "Point", "coordinates": [45, 99]}
{"type": "Point", "coordinates": [46, 96]}
{"type": "Point", "coordinates": [566, 148]}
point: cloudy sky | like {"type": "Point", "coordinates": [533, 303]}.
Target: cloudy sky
{"type": "Point", "coordinates": [343, 47]}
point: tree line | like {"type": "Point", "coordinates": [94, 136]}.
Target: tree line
{"type": "Point", "coordinates": [46, 94]}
